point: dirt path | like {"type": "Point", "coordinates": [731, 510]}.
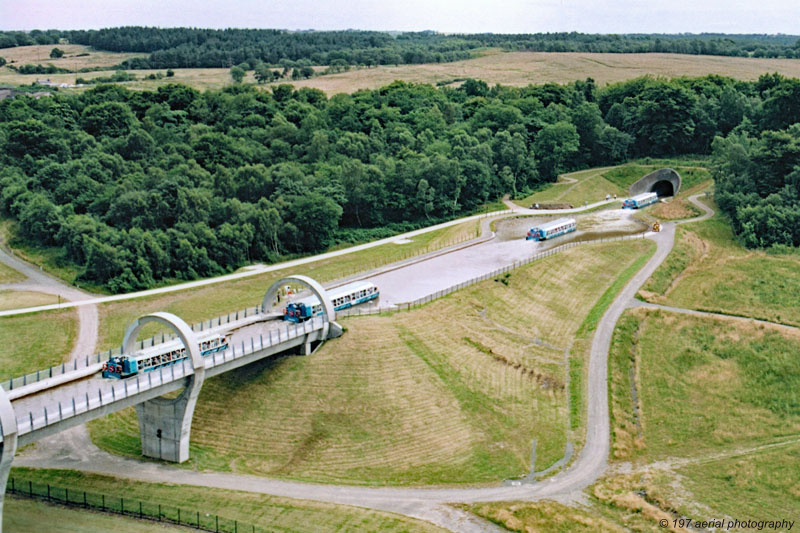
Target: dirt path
{"type": "Point", "coordinates": [75, 451]}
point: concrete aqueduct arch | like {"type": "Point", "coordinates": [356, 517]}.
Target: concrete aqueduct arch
{"type": "Point", "coordinates": [165, 423]}
{"type": "Point", "coordinates": [8, 427]}
{"type": "Point", "coordinates": [328, 311]}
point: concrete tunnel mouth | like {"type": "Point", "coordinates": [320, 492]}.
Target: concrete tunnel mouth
{"type": "Point", "coordinates": [663, 188]}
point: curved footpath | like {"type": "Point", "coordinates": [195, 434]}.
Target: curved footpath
{"type": "Point", "coordinates": [428, 504]}
{"type": "Point", "coordinates": [38, 281]}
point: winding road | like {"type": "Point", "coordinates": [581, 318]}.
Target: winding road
{"type": "Point", "coordinates": [75, 451]}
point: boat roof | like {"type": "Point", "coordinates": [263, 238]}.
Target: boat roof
{"type": "Point", "coordinates": [556, 223]}
{"type": "Point", "coordinates": [643, 196]}
{"type": "Point", "coordinates": [168, 346]}
{"type": "Point", "coordinates": [336, 292]}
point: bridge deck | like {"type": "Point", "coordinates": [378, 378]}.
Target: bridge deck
{"type": "Point", "coordinates": [86, 397]}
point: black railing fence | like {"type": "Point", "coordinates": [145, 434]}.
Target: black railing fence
{"type": "Point", "coordinates": [131, 507]}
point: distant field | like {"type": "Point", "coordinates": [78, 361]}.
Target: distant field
{"type": "Point", "coordinates": [410, 398]}
{"type": "Point", "coordinates": [273, 513]}
{"type": "Point", "coordinates": [709, 270]}
{"type": "Point", "coordinates": [40, 55]}
{"type": "Point", "coordinates": [507, 68]}
{"type": "Point", "coordinates": [524, 68]}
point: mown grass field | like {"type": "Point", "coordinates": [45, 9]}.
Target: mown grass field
{"type": "Point", "coordinates": [202, 303]}
{"type": "Point", "coordinates": [9, 275]}
{"type": "Point", "coordinates": [17, 299]}
{"type": "Point", "coordinates": [270, 512]}
{"type": "Point", "coordinates": [410, 398]}
{"type": "Point", "coordinates": [35, 341]}
{"type": "Point", "coordinates": [710, 271]}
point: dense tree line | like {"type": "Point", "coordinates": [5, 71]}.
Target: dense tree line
{"type": "Point", "coordinates": [196, 47]}
{"type": "Point", "coordinates": [140, 187]}
{"type": "Point", "coordinates": [757, 169]}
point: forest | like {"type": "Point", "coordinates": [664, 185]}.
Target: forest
{"type": "Point", "coordinates": [207, 48]}
{"type": "Point", "coordinates": [141, 188]}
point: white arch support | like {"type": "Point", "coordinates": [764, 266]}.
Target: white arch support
{"type": "Point", "coordinates": [328, 311]}
{"type": "Point", "coordinates": [165, 423]}
{"type": "Point", "coordinates": [8, 425]}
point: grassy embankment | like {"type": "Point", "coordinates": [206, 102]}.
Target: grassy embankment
{"type": "Point", "coordinates": [592, 185]}
{"type": "Point", "coordinates": [708, 270]}
{"type": "Point", "coordinates": [410, 398]}
{"type": "Point", "coordinates": [273, 513]}
{"type": "Point", "coordinates": [707, 411]}
{"type": "Point", "coordinates": [27, 345]}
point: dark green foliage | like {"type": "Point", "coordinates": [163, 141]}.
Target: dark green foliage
{"type": "Point", "coordinates": [194, 47]}
{"type": "Point", "coordinates": [55, 53]}
{"type": "Point", "coordinates": [758, 185]}
{"type": "Point", "coordinates": [139, 188]}
{"type": "Point", "coordinates": [237, 74]}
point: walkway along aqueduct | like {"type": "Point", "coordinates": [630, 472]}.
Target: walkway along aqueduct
{"type": "Point", "coordinates": [76, 395]}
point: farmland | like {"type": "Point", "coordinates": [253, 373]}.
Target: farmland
{"type": "Point", "coordinates": [524, 68]}
{"type": "Point", "coordinates": [494, 66]}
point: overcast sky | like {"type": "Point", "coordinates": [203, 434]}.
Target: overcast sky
{"type": "Point", "coordinates": [498, 16]}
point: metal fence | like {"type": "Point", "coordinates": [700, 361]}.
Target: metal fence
{"type": "Point", "coordinates": [157, 512]}
{"type": "Point", "coordinates": [89, 360]}
{"type": "Point", "coordinates": [374, 310]}
{"type": "Point", "coordinates": [111, 391]}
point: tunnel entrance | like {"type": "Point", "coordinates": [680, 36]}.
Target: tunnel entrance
{"type": "Point", "coordinates": [663, 188]}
